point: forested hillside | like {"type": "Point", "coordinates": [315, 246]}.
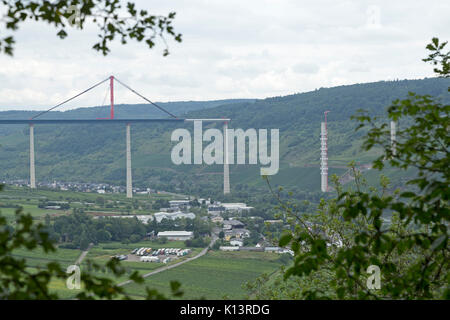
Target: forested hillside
{"type": "Point", "coordinates": [97, 153]}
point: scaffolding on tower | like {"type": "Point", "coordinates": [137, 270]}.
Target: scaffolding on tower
{"type": "Point", "coordinates": [324, 154]}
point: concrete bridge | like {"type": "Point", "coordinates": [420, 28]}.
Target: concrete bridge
{"type": "Point", "coordinates": [108, 121]}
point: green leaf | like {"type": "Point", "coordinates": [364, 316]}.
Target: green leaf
{"type": "Point", "coordinates": [285, 239]}
{"type": "Point", "coordinates": [439, 242]}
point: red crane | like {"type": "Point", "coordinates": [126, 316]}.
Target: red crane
{"type": "Point", "coordinates": [111, 90]}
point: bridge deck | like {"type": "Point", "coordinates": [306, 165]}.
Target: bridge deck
{"type": "Point", "coordinates": [93, 121]}
{"type": "Point", "coordinates": [101, 121]}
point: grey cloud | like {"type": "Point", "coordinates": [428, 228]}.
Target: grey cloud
{"type": "Point", "coordinates": [230, 49]}
{"type": "Point", "coordinates": [305, 68]}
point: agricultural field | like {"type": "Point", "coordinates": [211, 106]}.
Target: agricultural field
{"type": "Point", "coordinates": [147, 244]}
{"type": "Point", "coordinates": [216, 275]}
{"type": "Point", "coordinates": [36, 213]}
{"type": "Point", "coordinates": [12, 197]}
{"type": "Point", "coordinates": [37, 259]}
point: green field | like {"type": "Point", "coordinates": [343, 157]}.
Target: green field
{"type": "Point", "coordinates": [147, 244]}
{"type": "Point", "coordinates": [37, 260]}
{"type": "Point", "coordinates": [213, 276]}
{"type": "Point", "coordinates": [13, 197]}
{"type": "Point", "coordinates": [216, 275]}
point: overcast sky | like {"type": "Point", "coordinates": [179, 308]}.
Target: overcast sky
{"type": "Point", "coordinates": [230, 49]}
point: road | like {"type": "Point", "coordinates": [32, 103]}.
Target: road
{"type": "Point", "coordinates": [202, 253]}
{"type": "Point", "coordinates": [83, 255]}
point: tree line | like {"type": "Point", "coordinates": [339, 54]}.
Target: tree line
{"type": "Point", "coordinates": [79, 229]}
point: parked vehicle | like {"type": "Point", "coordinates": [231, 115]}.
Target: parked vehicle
{"type": "Point", "coordinates": [149, 259]}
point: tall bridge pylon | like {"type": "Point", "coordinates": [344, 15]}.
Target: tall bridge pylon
{"type": "Point", "coordinates": [324, 155]}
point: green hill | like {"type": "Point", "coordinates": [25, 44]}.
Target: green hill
{"type": "Point", "coordinates": [95, 153]}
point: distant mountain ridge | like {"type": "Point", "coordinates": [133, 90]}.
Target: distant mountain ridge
{"type": "Point", "coordinates": [144, 110]}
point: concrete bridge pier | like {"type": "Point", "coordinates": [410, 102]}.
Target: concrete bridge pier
{"type": "Point", "coordinates": [32, 165]}
{"type": "Point", "coordinates": [393, 137]}
{"type": "Point", "coordinates": [226, 172]}
{"type": "Point", "coordinates": [129, 178]}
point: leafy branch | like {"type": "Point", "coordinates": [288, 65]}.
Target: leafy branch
{"type": "Point", "coordinates": [110, 16]}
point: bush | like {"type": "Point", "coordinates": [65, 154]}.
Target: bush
{"type": "Point", "coordinates": [196, 243]}
{"type": "Point", "coordinates": [135, 238]}
{"type": "Point", "coordinates": [285, 258]}
{"type": "Point", "coordinates": [162, 240]}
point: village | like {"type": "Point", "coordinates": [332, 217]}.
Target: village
{"type": "Point", "coordinates": [231, 233]}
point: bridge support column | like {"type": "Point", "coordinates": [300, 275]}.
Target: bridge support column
{"type": "Point", "coordinates": [129, 178]}
{"type": "Point", "coordinates": [393, 137]}
{"type": "Point", "coordinates": [226, 172]}
{"type": "Point", "coordinates": [32, 166]}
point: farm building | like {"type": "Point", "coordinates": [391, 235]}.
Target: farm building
{"type": "Point", "coordinates": [173, 215]}
{"type": "Point", "coordinates": [178, 203]}
{"type": "Point", "coordinates": [255, 249]}
{"type": "Point", "coordinates": [238, 243]}
{"type": "Point", "coordinates": [176, 235]}
{"type": "Point", "coordinates": [215, 209]}
{"type": "Point", "coordinates": [238, 207]}
{"type": "Point", "coordinates": [232, 224]}
{"type": "Point", "coordinates": [228, 248]}
{"type": "Point", "coordinates": [236, 248]}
